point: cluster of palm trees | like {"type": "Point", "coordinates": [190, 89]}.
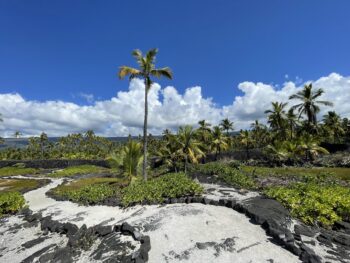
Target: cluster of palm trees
{"type": "Point", "coordinates": [295, 132]}
{"type": "Point", "coordinates": [190, 145]}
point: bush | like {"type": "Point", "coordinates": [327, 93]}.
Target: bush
{"type": "Point", "coordinates": [226, 172]}
{"type": "Point", "coordinates": [156, 190]}
{"type": "Point", "coordinates": [315, 203]}
{"type": "Point", "coordinates": [90, 194]}
{"type": "Point", "coordinates": [11, 171]}
{"type": "Point", "coordinates": [10, 202]}
{"type": "Point", "coordinates": [89, 190]}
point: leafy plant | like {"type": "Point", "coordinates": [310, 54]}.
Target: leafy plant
{"type": "Point", "coordinates": [10, 202]}
{"type": "Point", "coordinates": [79, 169]}
{"type": "Point", "coordinates": [229, 173]}
{"type": "Point", "coordinates": [168, 186]}
{"type": "Point", "coordinates": [10, 171]}
{"type": "Point", "coordinates": [314, 203]}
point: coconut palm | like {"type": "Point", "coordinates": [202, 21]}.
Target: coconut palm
{"type": "Point", "coordinates": [17, 134]}
{"type": "Point", "coordinates": [226, 125]}
{"type": "Point", "coordinates": [277, 119]}
{"type": "Point", "coordinates": [146, 71]}
{"type": "Point", "coordinates": [333, 125]}
{"type": "Point", "coordinates": [246, 140]}
{"type": "Point", "coordinates": [190, 147]}
{"type": "Point", "coordinates": [260, 134]}
{"type": "Point", "coordinates": [277, 116]}
{"type": "Point", "coordinates": [309, 104]}
{"type": "Point", "coordinates": [292, 122]}
{"type": "Point", "coordinates": [204, 125]}
{"type": "Point", "coordinates": [132, 156]}
{"type": "Point", "coordinates": [308, 146]}
{"type": "Point", "coordinates": [219, 142]}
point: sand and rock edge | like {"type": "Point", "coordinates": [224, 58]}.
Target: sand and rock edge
{"type": "Point", "coordinates": [267, 213]}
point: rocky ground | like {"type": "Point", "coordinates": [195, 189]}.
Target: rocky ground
{"type": "Point", "coordinates": [225, 225]}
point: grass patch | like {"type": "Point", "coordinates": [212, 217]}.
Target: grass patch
{"type": "Point", "coordinates": [10, 171]}
{"type": "Point", "coordinates": [90, 190]}
{"type": "Point", "coordinates": [314, 203]}
{"type": "Point", "coordinates": [18, 185]}
{"type": "Point", "coordinates": [340, 173]}
{"type": "Point", "coordinates": [157, 189]}
{"type": "Point", "coordinates": [10, 202]}
{"type": "Point", "coordinates": [81, 169]}
{"type": "Point", "coordinates": [231, 174]}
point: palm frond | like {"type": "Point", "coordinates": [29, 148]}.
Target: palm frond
{"type": "Point", "coordinates": [151, 55]}
{"type": "Point", "coordinates": [162, 72]}
{"type": "Point", "coordinates": [128, 71]}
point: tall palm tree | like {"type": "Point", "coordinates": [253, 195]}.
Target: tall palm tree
{"type": "Point", "coordinates": [333, 124]}
{"type": "Point", "coordinates": [145, 71]}
{"type": "Point", "coordinates": [292, 122]}
{"type": "Point", "coordinates": [190, 148]}
{"type": "Point", "coordinates": [245, 138]}
{"type": "Point", "coordinates": [277, 115]}
{"type": "Point", "coordinates": [260, 133]}
{"type": "Point", "coordinates": [309, 103]}
{"type": "Point", "coordinates": [219, 141]}
{"type": "Point", "coordinates": [204, 125]}
{"type": "Point", "coordinates": [226, 125]}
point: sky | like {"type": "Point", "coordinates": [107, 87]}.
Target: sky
{"type": "Point", "coordinates": [59, 59]}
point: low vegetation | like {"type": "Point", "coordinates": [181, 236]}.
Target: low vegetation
{"type": "Point", "coordinates": [229, 173]}
{"type": "Point", "coordinates": [156, 190]}
{"type": "Point", "coordinates": [81, 170]}
{"type": "Point", "coordinates": [89, 190]}
{"type": "Point", "coordinates": [314, 203]}
{"type": "Point", "coordinates": [10, 202]}
{"type": "Point", "coordinates": [340, 173]}
{"type": "Point", "coordinates": [11, 171]}
{"type": "Point", "coordinates": [19, 185]}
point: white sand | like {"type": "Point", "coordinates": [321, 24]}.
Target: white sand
{"type": "Point", "coordinates": [176, 228]}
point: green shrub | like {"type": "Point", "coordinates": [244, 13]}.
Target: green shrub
{"type": "Point", "coordinates": [10, 202]}
{"type": "Point", "coordinates": [10, 171]}
{"type": "Point", "coordinates": [168, 186]}
{"type": "Point", "coordinates": [315, 203]}
{"type": "Point", "coordinates": [19, 185]}
{"type": "Point", "coordinates": [90, 190]}
{"type": "Point", "coordinates": [226, 172]}
{"type": "Point", "coordinates": [89, 194]}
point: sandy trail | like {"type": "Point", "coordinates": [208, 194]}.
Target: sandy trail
{"type": "Point", "coordinates": [178, 232]}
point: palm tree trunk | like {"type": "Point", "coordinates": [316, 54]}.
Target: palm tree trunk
{"type": "Point", "coordinates": [144, 167]}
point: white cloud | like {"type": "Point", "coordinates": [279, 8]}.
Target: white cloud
{"type": "Point", "coordinates": [88, 97]}
{"type": "Point", "coordinates": [168, 108]}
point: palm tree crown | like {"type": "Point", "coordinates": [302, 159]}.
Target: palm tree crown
{"type": "Point", "coordinates": [226, 125]}
{"type": "Point", "coordinates": [309, 103]}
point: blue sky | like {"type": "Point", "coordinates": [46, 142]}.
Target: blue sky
{"type": "Point", "coordinates": [59, 50]}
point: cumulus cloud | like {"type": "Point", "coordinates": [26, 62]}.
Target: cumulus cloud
{"type": "Point", "coordinates": [123, 114]}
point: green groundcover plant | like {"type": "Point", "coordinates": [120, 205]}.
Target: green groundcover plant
{"type": "Point", "coordinates": [10, 202]}
{"type": "Point", "coordinates": [11, 171]}
{"type": "Point", "coordinates": [228, 172]}
{"type": "Point", "coordinates": [156, 190]}
{"type": "Point", "coordinates": [314, 203]}
{"type": "Point", "coordinates": [90, 194]}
